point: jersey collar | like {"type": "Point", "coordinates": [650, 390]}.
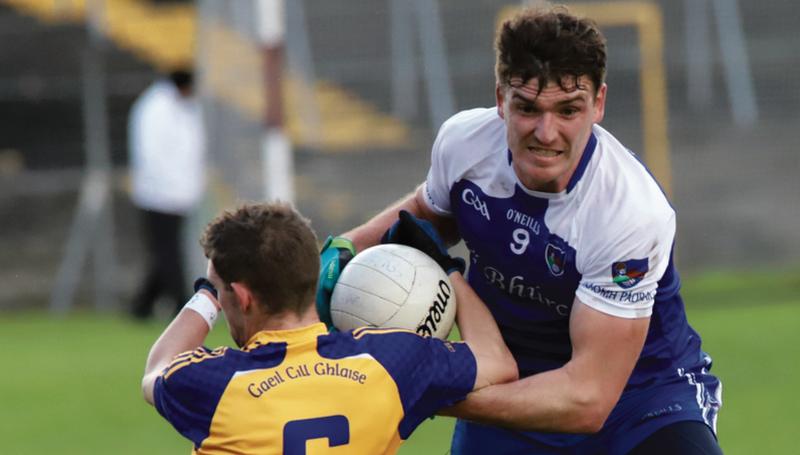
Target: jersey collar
{"type": "Point", "coordinates": [588, 151]}
{"type": "Point", "coordinates": [290, 336]}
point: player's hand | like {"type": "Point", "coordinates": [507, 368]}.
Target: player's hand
{"type": "Point", "coordinates": [420, 234]}
{"type": "Point", "coordinates": [335, 254]}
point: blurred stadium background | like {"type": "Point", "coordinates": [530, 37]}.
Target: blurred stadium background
{"type": "Point", "coordinates": [365, 86]}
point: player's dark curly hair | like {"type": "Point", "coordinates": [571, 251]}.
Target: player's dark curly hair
{"type": "Point", "coordinates": [269, 247]}
{"type": "Point", "coordinates": [550, 45]}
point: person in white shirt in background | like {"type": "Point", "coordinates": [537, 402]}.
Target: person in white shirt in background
{"type": "Point", "coordinates": [167, 165]}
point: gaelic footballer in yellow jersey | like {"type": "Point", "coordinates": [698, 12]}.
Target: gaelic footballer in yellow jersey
{"type": "Point", "coordinates": [292, 387]}
{"type": "Point", "coordinates": [304, 390]}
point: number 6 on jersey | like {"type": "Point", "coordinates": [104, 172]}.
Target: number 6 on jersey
{"type": "Point", "coordinates": [335, 428]}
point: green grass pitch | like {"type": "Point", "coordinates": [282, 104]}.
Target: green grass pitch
{"type": "Point", "coordinates": [71, 385]}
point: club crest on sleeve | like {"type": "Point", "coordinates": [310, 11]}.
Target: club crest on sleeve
{"type": "Point", "coordinates": [555, 257]}
{"type": "Point", "coordinates": [628, 273]}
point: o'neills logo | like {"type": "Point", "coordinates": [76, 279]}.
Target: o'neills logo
{"type": "Point", "coordinates": [428, 326]}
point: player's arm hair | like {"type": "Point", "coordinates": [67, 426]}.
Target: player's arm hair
{"type": "Point", "coordinates": [576, 398]}
{"type": "Point", "coordinates": [495, 364]}
{"type": "Point", "coordinates": [187, 332]}
{"type": "Point", "coordinates": [369, 233]}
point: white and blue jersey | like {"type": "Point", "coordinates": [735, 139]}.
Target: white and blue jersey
{"type": "Point", "coordinates": [606, 239]}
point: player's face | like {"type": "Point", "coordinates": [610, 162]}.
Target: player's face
{"type": "Point", "coordinates": [547, 130]}
{"type": "Point", "coordinates": [230, 305]}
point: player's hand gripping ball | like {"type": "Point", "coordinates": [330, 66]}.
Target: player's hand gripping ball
{"type": "Point", "coordinates": [335, 254]}
{"type": "Point", "coordinates": [420, 234]}
{"type": "Point", "coordinates": [394, 285]}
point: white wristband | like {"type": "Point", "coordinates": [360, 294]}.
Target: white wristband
{"type": "Point", "coordinates": [205, 307]}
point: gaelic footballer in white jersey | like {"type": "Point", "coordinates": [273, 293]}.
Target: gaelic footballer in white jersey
{"type": "Point", "coordinates": [607, 239]}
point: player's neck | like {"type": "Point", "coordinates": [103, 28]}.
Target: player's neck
{"type": "Point", "coordinates": [286, 321]}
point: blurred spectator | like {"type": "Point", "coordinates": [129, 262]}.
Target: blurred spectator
{"type": "Point", "coordinates": [167, 159]}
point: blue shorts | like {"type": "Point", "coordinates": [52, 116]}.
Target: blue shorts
{"type": "Point", "coordinates": [691, 396]}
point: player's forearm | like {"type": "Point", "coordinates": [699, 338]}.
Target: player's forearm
{"type": "Point", "coordinates": [369, 233]}
{"type": "Point", "coordinates": [186, 332]}
{"type": "Point", "coordinates": [479, 329]}
{"type": "Point", "coordinates": [551, 401]}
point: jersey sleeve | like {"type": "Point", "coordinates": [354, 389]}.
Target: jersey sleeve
{"type": "Point", "coordinates": [449, 370]}
{"type": "Point", "coordinates": [188, 390]}
{"type": "Point", "coordinates": [463, 141]}
{"type": "Point", "coordinates": [429, 373]}
{"type": "Point", "coordinates": [621, 273]}
{"type": "Point", "coordinates": [436, 189]}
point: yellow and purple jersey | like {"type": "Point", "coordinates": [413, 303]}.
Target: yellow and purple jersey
{"type": "Point", "coordinates": [306, 391]}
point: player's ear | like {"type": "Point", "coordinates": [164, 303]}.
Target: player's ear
{"type": "Point", "coordinates": [499, 93]}
{"type": "Point", "coordinates": [244, 297]}
{"type": "Point", "coordinates": [600, 104]}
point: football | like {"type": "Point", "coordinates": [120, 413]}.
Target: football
{"type": "Point", "coordinates": [394, 285]}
